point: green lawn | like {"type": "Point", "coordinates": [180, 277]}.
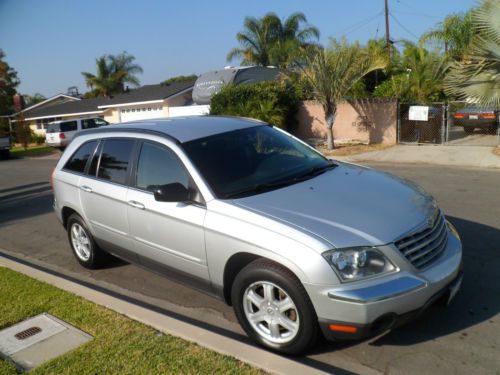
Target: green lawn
{"type": "Point", "coordinates": [120, 345]}
{"type": "Point", "coordinates": [32, 151]}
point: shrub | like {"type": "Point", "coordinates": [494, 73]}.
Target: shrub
{"type": "Point", "coordinates": [37, 138]}
{"type": "Point", "coordinates": [273, 102]}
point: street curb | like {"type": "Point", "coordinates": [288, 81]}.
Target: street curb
{"type": "Point", "coordinates": [252, 355]}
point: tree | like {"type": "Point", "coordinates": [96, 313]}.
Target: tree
{"type": "Point", "coordinates": [455, 33]}
{"type": "Point", "coordinates": [333, 71]}
{"type": "Point", "coordinates": [113, 73]}
{"type": "Point", "coordinates": [30, 100]}
{"type": "Point", "coordinates": [420, 76]}
{"type": "Point", "coordinates": [271, 41]}
{"type": "Point", "coordinates": [477, 78]}
{"type": "Point", "coordinates": [191, 77]}
{"type": "Point", "coordinates": [8, 85]}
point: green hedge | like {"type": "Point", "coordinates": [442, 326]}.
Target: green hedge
{"type": "Point", "coordinates": [273, 102]}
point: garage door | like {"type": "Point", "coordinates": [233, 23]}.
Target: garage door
{"type": "Point", "coordinates": [141, 113]}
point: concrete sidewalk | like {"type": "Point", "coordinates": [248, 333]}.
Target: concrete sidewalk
{"type": "Point", "coordinates": [245, 352]}
{"type": "Point", "coordinates": [462, 156]}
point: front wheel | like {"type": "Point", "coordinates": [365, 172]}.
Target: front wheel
{"type": "Point", "coordinates": [273, 308]}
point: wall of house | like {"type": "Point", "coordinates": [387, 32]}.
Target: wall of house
{"type": "Point", "coordinates": [368, 121]}
{"type": "Point", "coordinates": [177, 101]}
{"type": "Point", "coordinates": [112, 115]}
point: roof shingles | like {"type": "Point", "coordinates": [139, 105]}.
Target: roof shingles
{"type": "Point", "coordinates": [141, 94]}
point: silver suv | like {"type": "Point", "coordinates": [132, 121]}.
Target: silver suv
{"type": "Point", "coordinates": [297, 243]}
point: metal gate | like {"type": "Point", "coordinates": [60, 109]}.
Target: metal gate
{"type": "Point", "coordinates": [471, 125]}
{"type": "Point", "coordinates": [453, 123]}
{"type": "Point", "coordinates": [429, 130]}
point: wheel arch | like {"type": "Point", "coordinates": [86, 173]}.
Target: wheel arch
{"type": "Point", "coordinates": [237, 262]}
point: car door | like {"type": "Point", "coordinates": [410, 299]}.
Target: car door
{"type": "Point", "coordinates": [103, 194]}
{"type": "Point", "coordinates": [168, 236]}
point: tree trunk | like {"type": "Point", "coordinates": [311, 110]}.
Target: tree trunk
{"type": "Point", "coordinates": [330, 114]}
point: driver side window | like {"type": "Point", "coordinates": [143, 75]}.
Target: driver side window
{"type": "Point", "coordinates": [159, 166]}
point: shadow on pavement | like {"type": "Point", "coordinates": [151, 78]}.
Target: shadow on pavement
{"type": "Point", "coordinates": [19, 205]}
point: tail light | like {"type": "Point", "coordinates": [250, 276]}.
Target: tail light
{"type": "Point", "coordinates": [62, 136]}
{"type": "Point", "coordinates": [491, 116]}
{"type": "Point", "coordinates": [458, 115]}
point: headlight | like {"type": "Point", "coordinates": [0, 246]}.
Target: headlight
{"type": "Point", "coordinates": [453, 230]}
{"type": "Point", "coordinates": [357, 263]}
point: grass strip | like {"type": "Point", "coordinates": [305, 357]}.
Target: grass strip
{"type": "Point", "coordinates": [120, 345]}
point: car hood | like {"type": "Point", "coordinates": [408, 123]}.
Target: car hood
{"type": "Point", "coordinates": [347, 206]}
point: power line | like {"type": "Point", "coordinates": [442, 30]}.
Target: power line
{"type": "Point", "coordinates": [403, 27]}
{"type": "Point", "coordinates": [416, 14]}
{"type": "Point", "coordinates": [358, 25]}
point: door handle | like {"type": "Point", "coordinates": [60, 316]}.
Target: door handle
{"type": "Point", "coordinates": [136, 204]}
{"type": "Point", "coordinates": [86, 188]}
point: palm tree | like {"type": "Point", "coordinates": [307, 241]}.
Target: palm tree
{"type": "Point", "coordinates": [113, 72]}
{"type": "Point", "coordinates": [30, 100]}
{"type": "Point", "coordinates": [333, 71]}
{"type": "Point", "coordinates": [424, 74]}
{"type": "Point", "coordinates": [455, 33]}
{"type": "Point", "coordinates": [271, 41]}
{"type": "Point", "coordinates": [477, 78]}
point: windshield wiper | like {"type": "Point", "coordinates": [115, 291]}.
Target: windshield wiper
{"type": "Point", "coordinates": [311, 172]}
{"type": "Point", "coordinates": [315, 171]}
{"type": "Point", "coordinates": [256, 188]}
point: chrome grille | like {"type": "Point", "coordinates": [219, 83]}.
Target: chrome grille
{"type": "Point", "coordinates": [425, 246]}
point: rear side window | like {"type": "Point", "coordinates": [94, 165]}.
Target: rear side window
{"type": "Point", "coordinates": [159, 166]}
{"type": "Point", "coordinates": [114, 161]}
{"type": "Point", "coordinates": [88, 123]}
{"type": "Point", "coordinates": [68, 126]}
{"type": "Point", "coordinates": [78, 161]}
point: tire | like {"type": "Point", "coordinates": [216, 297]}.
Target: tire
{"type": "Point", "coordinates": [84, 247]}
{"type": "Point", "coordinates": [468, 130]}
{"type": "Point", "coordinates": [263, 283]}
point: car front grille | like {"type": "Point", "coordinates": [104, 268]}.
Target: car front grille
{"type": "Point", "coordinates": [423, 247]}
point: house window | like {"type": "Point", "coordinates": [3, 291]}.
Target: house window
{"type": "Point", "coordinates": [39, 124]}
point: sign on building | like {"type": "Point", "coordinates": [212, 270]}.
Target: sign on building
{"type": "Point", "coordinates": [419, 113]}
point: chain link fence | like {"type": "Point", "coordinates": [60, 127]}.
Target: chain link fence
{"type": "Point", "coordinates": [453, 123]}
{"type": "Point", "coordinates": [471, 125]}
{"type": "Point", "coordinates": [431, 130]}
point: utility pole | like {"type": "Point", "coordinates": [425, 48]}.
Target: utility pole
{"type": "Point", "coordinates": [387, 36]}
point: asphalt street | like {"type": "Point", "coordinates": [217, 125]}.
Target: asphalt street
{"type": "Point", "coordinates": [463, 338]}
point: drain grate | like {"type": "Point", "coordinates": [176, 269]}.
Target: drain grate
{"type": "Point", "coordinates": [32, 331]}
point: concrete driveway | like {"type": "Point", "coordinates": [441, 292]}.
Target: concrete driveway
{"type": "Point", "coordinates": [464, 338]}
{"type": "Point", "coordinates": [458, 156]}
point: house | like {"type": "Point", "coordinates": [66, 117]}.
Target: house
{"type": "Point", "coordinates": [146, 102]}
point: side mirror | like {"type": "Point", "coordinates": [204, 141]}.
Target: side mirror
{"type": "Point", "coordinates": [175, 192]}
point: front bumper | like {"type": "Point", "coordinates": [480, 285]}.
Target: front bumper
{"type": "Point", "coordinates": [373, 306]}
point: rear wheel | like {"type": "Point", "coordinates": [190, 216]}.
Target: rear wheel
{"type": "Point", "coordinates": [83, 245]}
{"type": "Point", "coordinates": [273, 308]}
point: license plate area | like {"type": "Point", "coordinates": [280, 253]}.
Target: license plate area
{"type": "Point", "coordinates": [473, 117]}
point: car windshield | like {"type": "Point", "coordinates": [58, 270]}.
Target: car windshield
{"type": "Point", "coordinates": [252, 160]}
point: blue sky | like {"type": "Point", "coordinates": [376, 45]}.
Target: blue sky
{"type": "Point", "coordinates": [51, 42]}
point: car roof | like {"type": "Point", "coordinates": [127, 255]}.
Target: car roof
{"type": "Point", "coordinates": [183, 129]}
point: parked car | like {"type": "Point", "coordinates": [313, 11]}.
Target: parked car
{"type": "Point", "coordinates": [474, 118]}
{"type": "Point", "coordinates": [296, 243]}
{"type": "Point", "coordinates": [4, 144]}
{"type": "Point", "coordinates": [60, 133]}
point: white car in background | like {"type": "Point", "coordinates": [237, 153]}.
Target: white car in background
{"type": "Point", "coordinates": [60, 133]}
